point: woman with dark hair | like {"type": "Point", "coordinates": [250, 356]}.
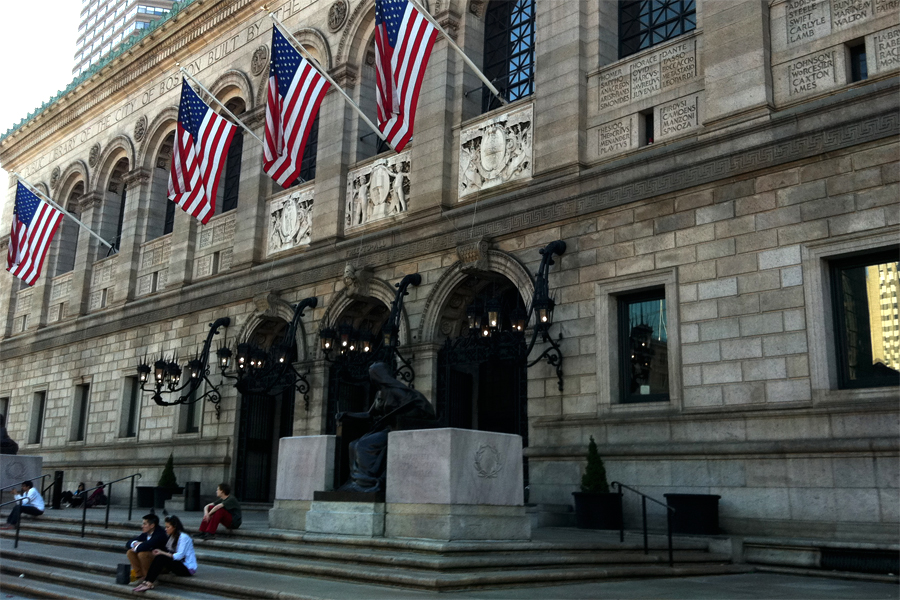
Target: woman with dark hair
{"type": "Point", "coordinates": [76, 498]}
{"type": "Point", "coordinates": [178, 556]}
{"type": "Point", "coordinates": [98, 498]}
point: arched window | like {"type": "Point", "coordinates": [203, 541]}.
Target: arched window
{"type": "Point", "coordinates": [508, 50]}
{"type": "Point", "coordinates": [229, 186]}
{"type": "Point", "coordinates": [645, 23]}
{"type": "Point", "coordinates": [369, 144]}
{"type": "Point", "coordinates": [308, 163]}
{"type": "Point", "coordinates": [67, 237]}
{"type": "Point", "coordinates": [114, 205]}
{"type": "Point", "coordinates": [161, 219]}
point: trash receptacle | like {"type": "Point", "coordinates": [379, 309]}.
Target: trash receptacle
{"type": "Point", "coordinates": [192, 496]}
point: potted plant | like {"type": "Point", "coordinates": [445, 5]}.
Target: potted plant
{"type": "Point", "coordinates": [595, 506]}
{"type": "Point", "coordinates": [167, 485]}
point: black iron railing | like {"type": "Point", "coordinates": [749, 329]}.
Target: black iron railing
{"type": "Point", "coordinates": [644, 497]}
{"type": "Point", "coordinates": [19, 483]}
{"type": "Point", "coordinates": [18, 521]}
{"type": "Point", "coordinates": [108, 500]}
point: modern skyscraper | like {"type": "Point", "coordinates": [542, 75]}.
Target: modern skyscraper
{"type": "Point", "coordinates": [107, 23]}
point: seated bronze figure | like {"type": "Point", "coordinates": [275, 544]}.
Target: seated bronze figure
{"type": "Point", "coordinates": [368, 453]}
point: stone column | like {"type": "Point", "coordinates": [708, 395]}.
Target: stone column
{"type": "Point", "coordinates": [737, 58]}
{"type": "Point", "coordinates": [134, 231]}
{"type": "Point", "coordinates": [184, 241]}
{"type": "Point", "coordinates": [335, 137]}
{"type": "Point", "coordinates": [432, 148]}
{"type": "Point", "coordinates": [89, 206]}
{"type": "Point", "coordinates": [255, 187]}
{"type": "Point", "coordinates": [6, 294]}
{"type": "Point", "coordinates": [560, 83]}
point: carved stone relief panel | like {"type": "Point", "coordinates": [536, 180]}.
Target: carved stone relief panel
{"type": "Point", "coordinates": [59, 289]}
{"type": "Point", "coordinates": [496, 151]}
{"type": "Point", "coordinates": [155, 253]}
{"type": "Point", "coordinates": [378, 190]}
{"type": "Point", "coordinates": [23, 301]}
{"type": "Point", "coordinates": [290, 221]}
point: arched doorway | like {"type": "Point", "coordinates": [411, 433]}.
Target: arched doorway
{"type": "Point", "coordinates": [264, 419]}
{"type": "Point", "coordinates": [482, 379]}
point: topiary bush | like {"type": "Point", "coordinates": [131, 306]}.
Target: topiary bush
{"type": "Point", "coordinates": [167, 479]}
{"type": "Point", "coordinates": [594, 478]}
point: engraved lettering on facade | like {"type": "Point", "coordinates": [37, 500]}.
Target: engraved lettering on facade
{"type": "Point", "coordinates": [615, 88]}
{"type": "Point", "coordinates": [645, 77]}
{"type": "Point", "coordinates": [845, 13]}
{"type": "Point", "coordinates": [886, 6]}
{"type": "Point", "coordinates": [811, 72]}
{"type": "Point", "coordinates": [887, 49]}
{"type": "Point", "coordinates": [616, 136]}
{"type": "Point", "coordinates": [678, 116]}
{"type": "Point", "coordinates": [807, 20]}
{"type": "Point", "coordinates": [678, 64]}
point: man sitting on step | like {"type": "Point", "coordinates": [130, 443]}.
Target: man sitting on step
{"type": "Point", "coordinates": [140, 549]}
{"type": "Point", "coordinates": [226, 510]}
{"type": "Point", "coordinates": [31, 504]}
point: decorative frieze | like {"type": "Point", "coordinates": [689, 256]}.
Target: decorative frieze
{"type": "Point", "coordinates": [378, 190]}
{"type": "Point", "coordinates": [289, 220]}
{"type": "Point", "coordinates": [218, 231]}
{"type": "Point", "coordinates": [496, 151]}
{"type": "Point", "coordinates": [648, 75]}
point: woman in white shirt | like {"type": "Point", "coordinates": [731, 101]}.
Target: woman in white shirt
{"type": "Point", "coordinates": [32, 504]}
{"type": "Point", "coordinates": [178, 556]}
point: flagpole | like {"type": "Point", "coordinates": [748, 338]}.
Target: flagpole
{"type": "Point", "coordinates": [61, 209]}
{"type": "Point", "coordinates": [225, 108]}
{"type": "Point", "coordinates": [325, 74]}
{"type": "Point", "coordinates": [453, 45]}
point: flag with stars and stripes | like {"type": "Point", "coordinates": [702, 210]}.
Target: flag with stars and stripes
{"type": "Point", "coordinates": [403, 42]}
{"type": "Point", "coordinates": [33, 225]}
{"type": "Point", "coordinates": [202, 139]}
{"type": "Point", "coordinates": [296, 91]}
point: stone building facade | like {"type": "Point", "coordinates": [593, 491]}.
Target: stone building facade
{"type": "Point", "coordinates": [727, 172]}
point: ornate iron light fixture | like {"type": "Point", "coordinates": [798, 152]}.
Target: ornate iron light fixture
{"type": "Point", "coordinates": [360, 348]}
{"type": "Point", "coordinates": [485, 317]}
{"type": "Point", "coordinates": [266, 371]}
{"type": "Point", "coordinates": [167, 375]}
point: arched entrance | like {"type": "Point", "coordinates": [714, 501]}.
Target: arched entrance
{"type": "Point", "coordinates": [482, 381]}
{"type": "Point", "coordinates": [264, 419]}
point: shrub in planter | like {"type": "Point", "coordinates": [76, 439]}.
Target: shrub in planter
{"type": "Point", "coordinates": [595, 506]}
{"type": "Point", "coordinates": [167, 486]}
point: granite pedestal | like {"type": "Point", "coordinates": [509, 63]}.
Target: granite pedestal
{"type": "Point", "coordinates": [305, 465]}
{"type": "Point", "coordinates": [454, 484]}
{"type": "Point", "coordinates": [16, 467]}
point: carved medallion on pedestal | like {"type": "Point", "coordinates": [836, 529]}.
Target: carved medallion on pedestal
{"type": "Point", "coordinates": [378, 191]}
{"type": "Point", "coordinates": [496, 151]}
{"type": "Point", "coordinates": [290, 221]}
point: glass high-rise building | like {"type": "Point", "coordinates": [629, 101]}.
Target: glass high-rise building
{"type": "Point", "coordinates": [105, 24]}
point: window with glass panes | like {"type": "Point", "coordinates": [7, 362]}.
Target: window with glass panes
{"type": "Point", "coordinates": [646, 23]}
{"type": "Point", "coordinates": [643, 347]}
{"type": "Point", "coordinates": [508, 50]}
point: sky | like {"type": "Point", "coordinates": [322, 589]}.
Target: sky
{"type": "Point", "coordinates": [38, 47]}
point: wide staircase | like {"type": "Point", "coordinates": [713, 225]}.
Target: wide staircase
{"type": "Point", "coordinates": [54, 561]}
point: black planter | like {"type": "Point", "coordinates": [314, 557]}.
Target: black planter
{"type": "Point", "coordinates": [160, 495]}
{"type": "Point", "coordinates": [694, 513]}
{"type": "Point", "coordinates": [598, 511]}
{"type": "Point", "coordinates": [144, 496]}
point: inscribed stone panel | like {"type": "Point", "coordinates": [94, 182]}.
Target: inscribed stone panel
{"type": "Point", "coordinates": [811, 74]}
{"type": "Point", "coordinates": [807, 20]}
{"type": "Point", "coordinates": [886, 50]}
{"type": "Point", "coordinates": [678, 116]}
{"type": "Point", "coordinates": [618, 136]}
{"type": "Point", "coordinates": [846, 13]}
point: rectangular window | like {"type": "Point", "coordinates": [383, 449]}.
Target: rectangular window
{"type": "Point", "coordinates": [859, 70]}
{"type": "Point", "coordinates": [646, 23]}
{"type": "Point", "coordinates": [4, 408]}
{"type": "Point", "coordinates": [80, 412]}
{"type": "Point", "coordinates": [190, 414]}
{"type": "Point", "coordinates": [867, 334]}
{"type": "Point", "coordinates": [37, 417]}
{"type": "Point", "coordinates": [131, 396]}
{"type": "Point", "coordinates": [643, 347]}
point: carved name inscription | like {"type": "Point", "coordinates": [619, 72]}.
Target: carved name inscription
{"type": "Point", "coordinates": [616, 136]}
{"type": "Point", "coordinates": [887, 49]}
{"type": "Point", "coordinates": [615, 87]}
{"type": "Point", "coordinates": [845, 13]}
{"type": "Point", "coordinates": [648, 75]}
{"type": "Point", "coordinates": [807, 20]}
{"type": "Point", "coordinates": [679, 116]}
{"type": "Point", "coordinates": [811, 72]}
{"type": "Point", "coordinates": [886, 6]}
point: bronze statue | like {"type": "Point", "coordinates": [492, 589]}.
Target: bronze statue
{"type": "Point", "coordinates": [368, 454]}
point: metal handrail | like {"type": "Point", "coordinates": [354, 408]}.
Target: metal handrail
{"type": "Point", "coordinates": [108, 500]}
{"type": "Point", "coordinates": [19, 520]}
{"type": "Point", "coordinates": [644, 497]}
{"type": "Point", "coordinates": [18, 483]}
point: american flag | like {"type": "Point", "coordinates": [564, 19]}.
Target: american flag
{"type": "Point", "coordinates": [296, 91]}
{"type": "Point", "coordinates": [403, 42]}
{"type": "Point", "coordinates": [202, 139]}
{"type": "Point", "coordinates": [33, 226]}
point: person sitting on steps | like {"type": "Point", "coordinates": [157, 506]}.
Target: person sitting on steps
{"type": "Point", "coordinates": [76, 498]}
{"type": "Point", "coordinates": [140, 548]}
{"type": "Point", "coordinates": [226, 510]}
{"type": "Point", "coordinates": [98, 498]}
{"type": "Point", "coordinates": [178, 556]}
{"type": "Point", "coordinates": [32, 504]}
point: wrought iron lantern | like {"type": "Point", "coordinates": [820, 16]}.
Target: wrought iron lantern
{"type": "Point", "coordinates": [268, 371]}
{"type": "Point", "coordinates": [361, 348]}
{"type": "Point", "coordinates": [167, 375]}
{"type": "Point", "coordinates": [485, 318]}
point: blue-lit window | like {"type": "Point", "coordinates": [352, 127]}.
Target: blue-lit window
{"type": "Point", "coordinates": [508, 50]}
{"type": "Point", "coordinates": [646, 23]}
